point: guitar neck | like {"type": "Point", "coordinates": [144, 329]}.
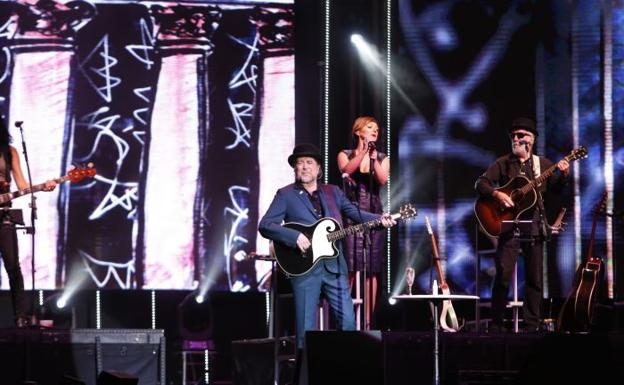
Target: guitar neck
{"type": "Point", "coordinates": [559, 219]}
{"type": "Point", "coordinates": [359, 228]}
{"type": "Point", "coordinates": [590, 253]}
{"type": "Point", "coordinates": [436, 255]}
{"type": "Point", "coordinates": [540, 179]}
{"type": "Point", "coordinates": [35, 188]}
{"type": "Point", "coordinates": [599, 207]}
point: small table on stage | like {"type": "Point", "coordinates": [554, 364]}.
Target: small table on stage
{"type": "Point", "coordinates": [436, 300]}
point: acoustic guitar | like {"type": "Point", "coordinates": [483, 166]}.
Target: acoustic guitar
{"type": "Point", "coordinates": [521, 190]}
{"type": "Point", "coordinates": [323, 234]}
{"type": "Point", "coordinates": [577, 310]}
{"type": "Point", "coordinates": [448, 318]}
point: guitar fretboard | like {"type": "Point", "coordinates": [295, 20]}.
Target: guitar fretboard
{"type": "Point", "coordinates": [355, 229]}
{"type": "Point", "coordinates": [537, 181]}
{"type": "Point", "coordinates": [543, 176]}
{"type": "Point", "coordinates": [35, 188]}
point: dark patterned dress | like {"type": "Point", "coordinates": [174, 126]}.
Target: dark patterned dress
{"type": "Point", "coordinates": [353, 244]}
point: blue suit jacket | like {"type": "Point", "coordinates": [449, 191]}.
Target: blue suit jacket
{"type": "Point", "coordinates": [292, 204]}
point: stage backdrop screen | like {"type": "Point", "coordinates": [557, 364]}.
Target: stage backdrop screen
{"type": "Point", "coordinates": [186, 113]}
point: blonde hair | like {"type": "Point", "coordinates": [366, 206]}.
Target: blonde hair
{"type": "Point", "coordinates": [362, 121]}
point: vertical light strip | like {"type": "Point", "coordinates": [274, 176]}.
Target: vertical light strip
{"type": "Point", "coordinates": [40, 297]}
{"type": "Point", "coordinates": [608, 134]}
{"type": "Point", "coordinates": [326, 98]}
{"type": "Point", "coordinates": [153, 309]}
{"type": "Point", "coordinates": [267, 306]}
{"type": "Point", "coordinates": [540, 108]}
{"type": "Point", "coordinates": [575, 138]}
{"type": "Point", "coordinates": [98, 310]}
{"type": "Point", "coordinates": [206, 367]}
{"type": "Point", "coordinates": [388, 144]}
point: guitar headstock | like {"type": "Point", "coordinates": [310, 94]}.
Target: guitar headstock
{"type": "Point", "coordinates": [408, 211]}
{"type": "Point", "coordinates": [429, 230]}
{"type": "Point", "coordinates": [601, 206]}
{"type": "Point", "coordinates": [78, 174]}
{"type": "Point", "coordinates": [577, 153]}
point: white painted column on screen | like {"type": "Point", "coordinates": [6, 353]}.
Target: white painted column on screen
{"type": "Point", "coordinates": [174, 149]}
{"type": "Point", "coordinates": [39, 98]}
{"type": "Point", "coordinates": [276, 137]}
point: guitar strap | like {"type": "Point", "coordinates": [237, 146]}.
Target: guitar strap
{"type": "Point", "coordinates": [536, 166]}
{"type": "Point", "coordinates": [330, 200]}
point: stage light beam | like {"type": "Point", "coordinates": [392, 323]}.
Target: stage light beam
{"type": "Point", "coordinates": [61, 302]}
{"type": "Point", "coordinates": [357, 39]}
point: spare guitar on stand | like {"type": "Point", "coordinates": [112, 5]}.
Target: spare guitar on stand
{"type": "Point", "coordinates": [577, 310]}
{"type": "Point", "coordinates": [448, 318]}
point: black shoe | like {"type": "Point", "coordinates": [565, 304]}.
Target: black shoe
{"type": "Point", "coordinates": [21, 322]}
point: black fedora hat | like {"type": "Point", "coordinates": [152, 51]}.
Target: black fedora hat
{"type": "Point", "coordinates": [523, 124]}
{"type": "Point", "coordinates": [304, 149]}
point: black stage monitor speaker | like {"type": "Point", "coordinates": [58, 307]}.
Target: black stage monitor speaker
{"type": "Point", "coordinates": [110, 377]}
{"type": "Point", "coordinates": [343, 357]}
{"type": "Point", "coordinates": [253, 361]}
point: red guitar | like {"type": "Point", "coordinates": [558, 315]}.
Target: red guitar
{"type": "Point", "coordinates": [577, 310]}
{"type": "Point", "coordinates": [75, 175]}
{"type": "Point", "coordinates": [491, 214]}
{"type": "Point", "coordinates": [448, 318]}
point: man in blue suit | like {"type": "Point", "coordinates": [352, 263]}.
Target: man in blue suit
{"type": "Point", "coordinates": [305, 202]}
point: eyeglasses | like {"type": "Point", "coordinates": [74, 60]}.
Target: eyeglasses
{"type": "Point", "coordinates": [520, 135]}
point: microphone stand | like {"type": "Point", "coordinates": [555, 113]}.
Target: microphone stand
{"type": "Point", "coordinates": [362, 284]}
{"type": "Point", "coordinates": [30, 229]}
{"type": "Point", "coordinates": [368, 240]}
{"type": "Point", "coordinates": [543, 224]}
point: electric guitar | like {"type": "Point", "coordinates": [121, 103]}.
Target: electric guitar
{"type": "Point", "coordinates": [75, 175]}
{"type": "Point", "coordinates": [448, 318]}
{"type": "Point", "coordinates": [323, 234]}
{"type": "Point", "coordinates": [577, 310]}
{"type": "Point", "coordinates": [521, 190]}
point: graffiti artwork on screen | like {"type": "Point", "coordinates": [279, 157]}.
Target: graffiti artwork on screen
{"type": "Point", "coordinates": [153, 94]}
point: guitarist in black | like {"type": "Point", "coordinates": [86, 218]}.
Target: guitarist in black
{"type": "Point", "coordinates": [10, 167]}
{"type": "Point", "coordinates": [305, 202]}
{"type": "Point", "coordinates": [520, 162]}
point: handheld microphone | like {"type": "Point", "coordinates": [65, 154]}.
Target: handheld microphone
{"type": "Point", "coordinates": [19, 123]}
{"type": "Point", "coordinates": [371, 149]}
{"type": "Point", "coordinates": [524, 143]}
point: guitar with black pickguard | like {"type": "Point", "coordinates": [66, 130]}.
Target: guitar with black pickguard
{"type": "Point", "coordinates": [323, 234]}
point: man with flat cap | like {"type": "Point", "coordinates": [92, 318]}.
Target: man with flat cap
{"type": "Point", "coordinates": [305, 202]}
{"type": "Point", "coordinates": [521, 161]}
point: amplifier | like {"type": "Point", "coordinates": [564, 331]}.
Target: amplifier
{"type": "Point", "coordinates": [46, 356]}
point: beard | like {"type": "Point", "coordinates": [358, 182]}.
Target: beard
{"type": "Point", "coordinates": [519, 150]}
{"type": "Point", "coordinates": [306, 178]}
